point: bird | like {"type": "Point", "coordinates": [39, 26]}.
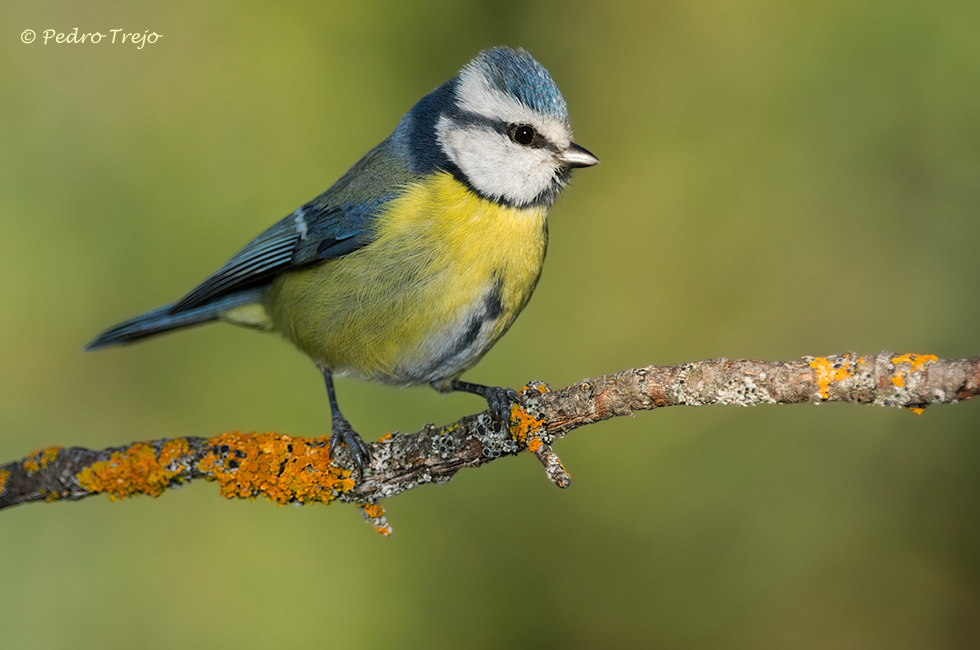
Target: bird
{"type": "Point", "coordinates": [411, 266]}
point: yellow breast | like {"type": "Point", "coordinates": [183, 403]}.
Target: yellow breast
{"type": "Point", "coordinates": [444, 278]}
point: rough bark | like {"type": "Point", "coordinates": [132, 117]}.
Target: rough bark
{"type": "Point", "coordinates": [290, 469]}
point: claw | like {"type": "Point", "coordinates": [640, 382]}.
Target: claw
{"type": "Point", "coordinates": [500, 400]}
{"type": "Point", "coordinates": [344, 434]}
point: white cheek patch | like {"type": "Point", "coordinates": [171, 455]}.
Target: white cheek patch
{"type": "Point", "coordinates": [494, 165]}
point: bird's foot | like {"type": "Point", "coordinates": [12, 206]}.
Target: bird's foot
{"type": "Point", "coordinates": [344, 434]}
{"type": "Point", "coordinates": [501, 400]}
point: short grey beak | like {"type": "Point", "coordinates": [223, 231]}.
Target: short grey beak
{"type": "Point", "coordinates": [576, 156]}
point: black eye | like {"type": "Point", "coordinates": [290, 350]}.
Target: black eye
{"type": "Point", "coordinates": [522, 134]}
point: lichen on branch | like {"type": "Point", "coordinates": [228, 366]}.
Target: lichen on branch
{"type": "Point", "coordinates": [294, 469]}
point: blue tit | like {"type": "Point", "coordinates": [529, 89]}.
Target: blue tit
{"type": "Point", "coordinates": [413, 264]}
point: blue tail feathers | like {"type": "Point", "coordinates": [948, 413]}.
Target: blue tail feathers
{"type": "Point", "coordinates": [164, 319]}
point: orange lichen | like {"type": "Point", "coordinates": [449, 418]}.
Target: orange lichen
{"type": "Point", "coordinates": [534, 444]}
{"type": "Point", "coordinates": [4, 475]}
{"type": "Point", "coordinates": [386, 436]}
{"type": "Point", "coordinates": [135, 470]}
{"type": "Point", "coordinates": [40, 459]}
{"type": "Point", "coordinates": [522, 423]}
{"type": "Point", "coordinates": [918, 410]}
{"type": "Point", "coordinates": [173, 450]}
{"type": "Point", "coordinates": [282, 468]}
{"type": "Point", "coordinates": [376, 515]}
{"type": "Point", "coordinates": [916, 361]}
{"type": "Point", "coordinates": [828, 374]}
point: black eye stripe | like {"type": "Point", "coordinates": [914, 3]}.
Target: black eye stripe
{"type": "Point", "coordinates": [469, 118]}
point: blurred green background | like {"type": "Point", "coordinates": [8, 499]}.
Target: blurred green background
{"type": "Point", "coordinates": [777, 179]}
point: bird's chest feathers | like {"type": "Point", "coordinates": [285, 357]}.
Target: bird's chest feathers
{"type": "Point", "coordinates": [444, 278]}
{"type": "Point", "coordinates": [463, 241]}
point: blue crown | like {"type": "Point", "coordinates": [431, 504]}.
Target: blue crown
{"type": "Point", "coordinates": [516, 73]}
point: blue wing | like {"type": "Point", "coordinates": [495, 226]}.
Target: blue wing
{"type": "Point", "coordinates": [337, 223]}
{"type": "Point", "coordinates": [309, 235]}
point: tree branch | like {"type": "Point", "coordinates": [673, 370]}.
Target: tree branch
{"type": "Point", "coordinates": [290, 469]}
